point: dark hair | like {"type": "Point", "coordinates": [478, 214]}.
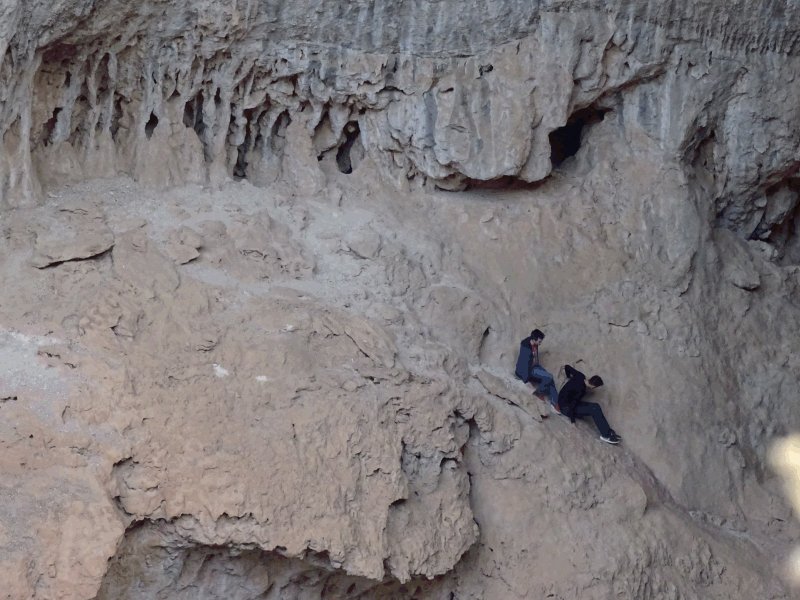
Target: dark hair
{"type": "Point", "coordinates": [596, 380]}
{"type": "Point", "coordinates": [537, 335]}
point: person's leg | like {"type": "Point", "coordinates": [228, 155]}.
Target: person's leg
{"type": "Point", "coordinates": [546, 385]}
{"type": "Point", "coordinates": [543, 375]}
{"type": "Point", "coordinates": [591, 409]}
{"type": "Point", "coordinates": [551, 391]}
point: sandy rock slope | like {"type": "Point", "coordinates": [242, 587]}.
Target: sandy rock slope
{"type": "Point", "coordinates": [265, 266]}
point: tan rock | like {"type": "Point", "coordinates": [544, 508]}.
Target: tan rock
{"type": "Point", "coordinates": [305, 389]}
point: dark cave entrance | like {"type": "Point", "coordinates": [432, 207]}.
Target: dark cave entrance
{"type": "Point", "coordinates": [151, 125]}
{"type": "Point", "coordinates": [566, 141]}
{"type": "Point", "coordinates": [344, 160]}
{"type": "Point", "coordinates": [49, 128]}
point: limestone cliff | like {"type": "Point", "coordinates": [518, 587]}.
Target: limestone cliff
{"type": "Point", "coordinates": [266, 264]}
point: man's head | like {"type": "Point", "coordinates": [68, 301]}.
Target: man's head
{"type": "Point", "coordinates": [536, 337]}
{"type": "Point", "coordinates": [595, 381]}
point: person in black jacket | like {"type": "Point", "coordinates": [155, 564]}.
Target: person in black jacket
{"type": "Point", "coordinates": [571, 404]}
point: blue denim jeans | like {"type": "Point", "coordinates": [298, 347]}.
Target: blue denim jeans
{"type": "Point", "coordinates": [547, 384]}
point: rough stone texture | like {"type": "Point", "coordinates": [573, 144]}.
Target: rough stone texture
{"type": "Point", "coordinates": [298, 384]}
{"type": "Point", "coordinates": [439, 90]}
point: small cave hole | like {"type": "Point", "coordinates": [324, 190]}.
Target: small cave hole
{"type": "Point", "coordinates": [280, 125]}
{"type": "Point", "coordinates": [566, 141]}
{"type": "Point", "coordinates": [193, 114]}
{"type": "Point", "coordinates": [78, 128]}
{"type": "Point", "coordinates": [240, 168]}
{"type": "Point", "coordinates": [344, 158]}
{"type": "Point", "coordinates": [704, 153]}
{"type": "Point", "coordinates": [189, 113]}
{"type": "Point", "coordinates": [116, 117]}
{"type": "Point", "coordinates": [258, 143]}
{"type": "Point", "coordinates": [59, 53]}
{"type": "Point", "coordinates": [151, 125]}
{"type": "Point", "coordinates": [49, 127]}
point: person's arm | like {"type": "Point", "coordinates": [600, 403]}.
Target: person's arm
{"type": "Point", "coordinates": [523, 368]}
{"type": "Point", "coordinates": [571, 372]}
{"type": "Point", "coordinates": [534, 357]}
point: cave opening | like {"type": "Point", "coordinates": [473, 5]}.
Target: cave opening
{"type": "Point", "coordinates": [49, 127]}
{"type": "Point", "coordinates": [344, 158]}
{"type": "Point", "coordinates": [151, 125]}
{"type": "Point", "coordinates": [60, 53]}
{"type": "Point", "coordinates": [240, 168]}
{"type": "Point", "coordinates": [77, 132]}
{"type": "Point", "coordinates": [116, 116]}
{"type": "Point", "coordinates": [189, 113]}
{"type": "Point", "coordinates": [193, 114]}
{"type": "Point", "coordinates": [566, 141]}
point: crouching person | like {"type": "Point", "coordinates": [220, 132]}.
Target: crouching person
{"type": "Point", "coordinates": [572, 405]}
{"type": "Point", "coordinates": [530, 370]}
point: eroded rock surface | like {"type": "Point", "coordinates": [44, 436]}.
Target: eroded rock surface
{"type": "Point", "coordinates": [445, 91]}
{"type": "Point", "coordinates": [267, 358]}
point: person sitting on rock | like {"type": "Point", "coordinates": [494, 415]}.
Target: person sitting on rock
{"type": "Point", "coordinates": [571, 404]}
{"type": "Point", "coordinates": [531, 371]}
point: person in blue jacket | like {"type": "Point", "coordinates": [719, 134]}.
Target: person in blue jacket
{"type": "Point", "coordinates": [572, 405]}
{"type": "Point", "coordinates": [531, 371]}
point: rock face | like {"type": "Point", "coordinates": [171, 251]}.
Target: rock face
{"type": "Point", "coordinates": [434, 90]}
{"type": "Point", "coordinates": [251, 348]}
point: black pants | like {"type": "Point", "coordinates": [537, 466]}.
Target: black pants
{"type": "Point", "coordinates": [591, 409]}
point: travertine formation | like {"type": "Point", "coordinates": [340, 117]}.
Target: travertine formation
{"type": "Point", "coordinates": [266, 265]}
